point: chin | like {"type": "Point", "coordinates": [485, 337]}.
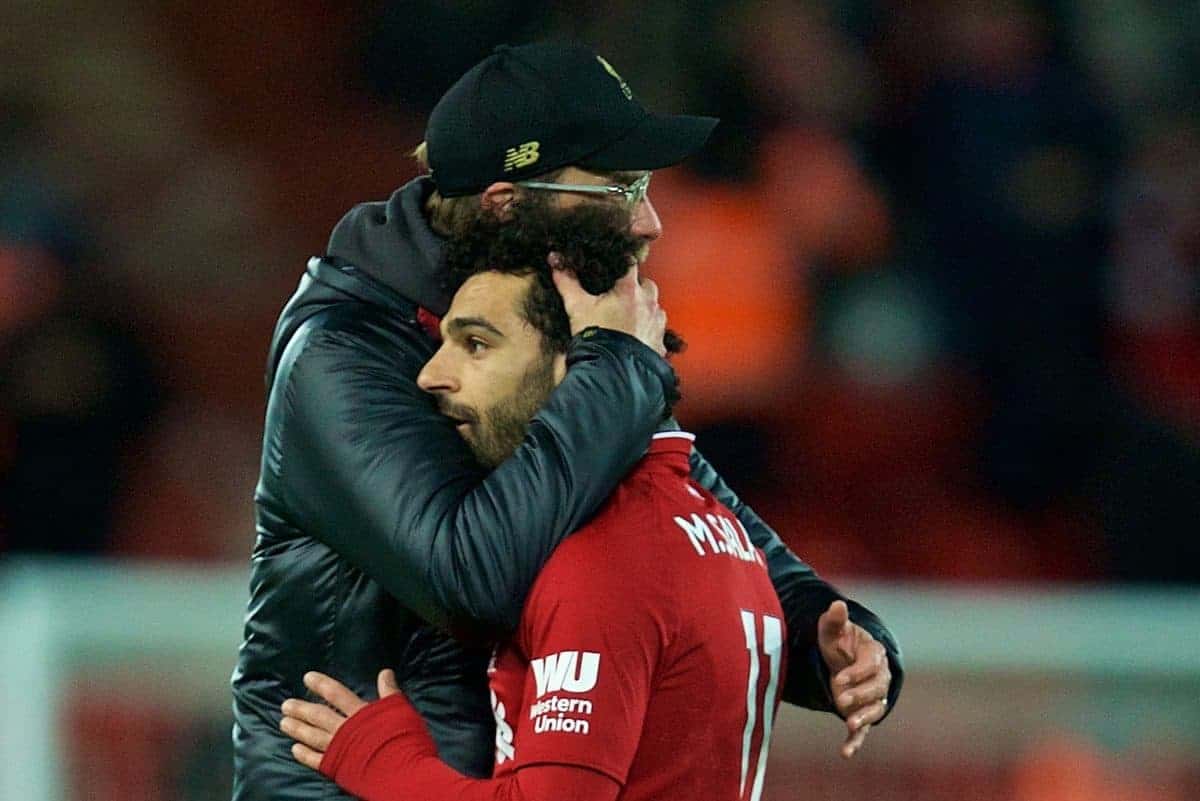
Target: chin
{"type": "Point", "coordinates": [483, 455]}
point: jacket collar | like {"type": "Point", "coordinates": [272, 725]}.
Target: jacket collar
{"type": "Point", "coordinates": [391, 242]}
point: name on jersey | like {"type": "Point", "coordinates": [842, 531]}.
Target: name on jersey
{"type": "Point", "coordinates": [565, 671]}
{"type": "Point", "coordinates": [718, 535]}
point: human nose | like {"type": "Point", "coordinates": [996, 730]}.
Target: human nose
{"type": "Point", "coordinates": [436, 375]}
{"type": "Point", "coordinates": [645, 223]}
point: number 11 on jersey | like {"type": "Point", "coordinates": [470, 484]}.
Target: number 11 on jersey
{"type": "Point", "coordinates": [770, 651]}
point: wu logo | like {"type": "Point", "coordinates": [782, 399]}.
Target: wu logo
{"type": "Point", "coordinates": [570, 671]}
{"type": "Point", "coordinates": [625, 90]}
{"type": "Point", "coordinates": [517, 157]}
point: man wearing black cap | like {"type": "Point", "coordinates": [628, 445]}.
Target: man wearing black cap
{"type": "Point", "coordinates": [378, 533]}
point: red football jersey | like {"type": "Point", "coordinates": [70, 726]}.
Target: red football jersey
{"type": "Point", "coordinates": [651, 648]}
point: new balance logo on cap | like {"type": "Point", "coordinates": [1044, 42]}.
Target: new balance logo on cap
{"type": "Point", "coordinates": [517, 157]}
{"type": "Point", "coordinates": [568, 671]}
{"type": "Point", "coordinates": [579, 107]}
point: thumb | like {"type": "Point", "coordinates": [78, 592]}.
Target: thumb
{"type": "Point", "coordinates": [632, 277]}
{"type": "Point", "coordinates": [832, 623]}
{"type": "Point", "coordinates": [387, 683]}
{"type": "Point", "coordinates": [567, 284]}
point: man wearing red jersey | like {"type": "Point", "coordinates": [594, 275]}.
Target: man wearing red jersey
{"type": "Point", "coordinates": [649, 656]}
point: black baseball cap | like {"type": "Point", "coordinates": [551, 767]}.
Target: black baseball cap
{"type": "Point", "coordinates": [527, 110]}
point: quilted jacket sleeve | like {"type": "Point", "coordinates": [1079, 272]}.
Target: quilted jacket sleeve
{"type": "Point", "coordinates": [360, 459]}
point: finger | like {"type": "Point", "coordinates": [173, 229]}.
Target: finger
{"type": "Point", "coordinates": [870, 662]}
{"type": "Point", "coordinates": [387, 683]}
{"type": "Point", "coordinates": [554, 259]}
{"type": "Point", "coordinates": [567, 284]}
{"type": "Point", "coordinates": [651, 290]}
{"type": "Point", "coordinates": [850, 704]}
{"type": "Point", "coordinates": [633, 274]}
{"type": "Point", "coordinates": [833, 621]}
{"type": "Point", "coordinates": [875, 688]}
{"type": "Point", "coordinates": [333, 691]}
{"type": "Point", "coordinates": [854, 742]}
{"type": "Point", "coordinates": [835, 636]}
{"type": "Point", "coordinates": [317, 715]}
{"type": "Point", "coordinates": [869, 716]}
{"type": "Point", "coordinates": [627, 284]}
{"type": "Point", "coordinates": [301, 732]}
{"type": "Point", "coordinates": [306, 756]}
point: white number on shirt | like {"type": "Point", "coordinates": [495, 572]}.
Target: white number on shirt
{"type": "Point", "coordinates": [771, 650]}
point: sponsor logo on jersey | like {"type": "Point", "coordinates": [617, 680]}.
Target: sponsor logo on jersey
{"type": "Point", "coordinates": [567, 672]}
{"type": "Point", "coordinates": [505, 750]}
{"type": "Point", "coordinates": [555, 714]}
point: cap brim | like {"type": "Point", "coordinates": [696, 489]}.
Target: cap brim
{"type": "Point", "coordinates": [659, 140]}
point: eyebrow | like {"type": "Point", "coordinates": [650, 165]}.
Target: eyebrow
{"type": "Point", "coordinates": [459, 323]}
{"type": "Point", "coordinates": [625, 178]}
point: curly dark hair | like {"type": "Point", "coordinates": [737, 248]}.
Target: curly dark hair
{"type": "Point", "coordinates": [593, 240]}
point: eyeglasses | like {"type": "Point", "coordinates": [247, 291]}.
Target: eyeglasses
{"type": "Point", "coordinates": [633, 194]}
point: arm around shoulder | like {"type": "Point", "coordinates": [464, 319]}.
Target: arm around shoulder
{"type": "Point", "coordinates": [357, 456]}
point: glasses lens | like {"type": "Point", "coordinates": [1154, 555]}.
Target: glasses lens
{"type": "Point", "coordinates": [637, 190]}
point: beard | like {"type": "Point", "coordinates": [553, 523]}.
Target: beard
{"type": "Point", "coordinates": [494, 434]}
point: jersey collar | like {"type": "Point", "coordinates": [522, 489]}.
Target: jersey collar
{"type": "Point", "coordinates": [671, 443]}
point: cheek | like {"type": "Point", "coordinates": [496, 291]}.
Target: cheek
{"type": "Point", "coordinates": [490, 381]}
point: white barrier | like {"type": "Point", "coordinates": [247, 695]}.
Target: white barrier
{"type": "Point", "coordinates": [58, 617]}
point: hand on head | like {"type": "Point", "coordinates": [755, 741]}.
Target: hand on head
{"type": "Point", "coordinates": [630, 307]}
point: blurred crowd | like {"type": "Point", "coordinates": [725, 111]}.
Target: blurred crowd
{"type": "Point", "coordinates": [939, 268]}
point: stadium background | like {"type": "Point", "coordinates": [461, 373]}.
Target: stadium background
{"type": "Point", "coordinates": [940, 274]}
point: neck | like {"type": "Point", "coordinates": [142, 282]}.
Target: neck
{"type": "Point", "coordinates": [430, 208]}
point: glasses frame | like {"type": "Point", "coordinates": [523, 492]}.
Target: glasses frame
{"type": "Point", "coordinates": [634, 193]}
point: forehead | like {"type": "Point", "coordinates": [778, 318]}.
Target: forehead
{"type": "Point", "coordinates": [495, 297]}
{"type": "Point", "coordinates": [573, 175]}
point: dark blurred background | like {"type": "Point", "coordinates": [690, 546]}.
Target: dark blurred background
{"type": "Point", "coordinates": [939, 267]}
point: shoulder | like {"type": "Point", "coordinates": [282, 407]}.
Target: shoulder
{"type": "Point", "coordinates": [355, 330]}
{"type": "Point", "coordinates": [352, 345]}
{"type": "Point", "coordinates": [598, 594]}
{"type": "Point", "coordinates": [614, 560]}
{"type": "Point", "coordinates": [342, 372]}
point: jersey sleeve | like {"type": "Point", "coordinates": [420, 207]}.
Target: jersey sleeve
{"type": "Point", "coordinates": [384, 753]}
{"type": "Point", "coordinates": [592, 655]}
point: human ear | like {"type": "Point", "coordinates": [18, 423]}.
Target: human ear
{"type": "Point", "coordinates": [498, 199]}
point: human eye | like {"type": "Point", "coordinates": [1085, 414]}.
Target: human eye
{"type": "Point", "coordinates": [622, 194]}
{"type": "Point", "coordinates": [634, 190]}
{"type": "Point", "coordinates": [476, 346]}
